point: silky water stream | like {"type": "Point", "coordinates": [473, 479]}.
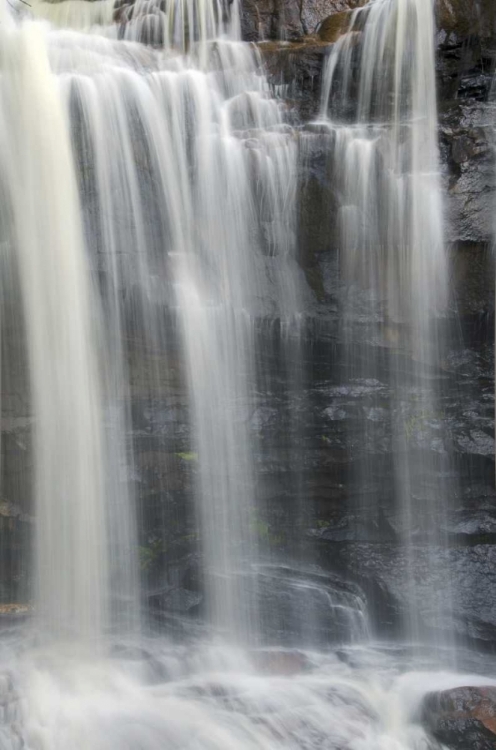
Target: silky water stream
{"type": "Point", "coordinates": [383, 121]}
{"type": "Point", "coordinates": [148, 206]}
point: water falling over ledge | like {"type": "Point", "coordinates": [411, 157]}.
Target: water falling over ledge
{"type": "Point", "coordinates": [181, 223]}
{"type": "Point", "coordinates": [149, 206]}
{"type": "Point", "coordinates": [379, 100]}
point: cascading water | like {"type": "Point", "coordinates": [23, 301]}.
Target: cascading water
{"type": "Point", "coordinates": [47, 243]}
{"type": "Point", "coordinates": [174, 214]}
{"type": "Point", "coordinates": [186, 174]}
{"type": "Point", "coordinates": [383, 122]}
{"type": "Point", "coordinates": [148, 230]}
{"type": "Point", "coordinates": [177, 24]}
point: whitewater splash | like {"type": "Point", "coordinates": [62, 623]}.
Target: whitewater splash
{"type": "Point", "coordinates": [218, 698]}
{"type": "Point", "coordinates": [45, 242]}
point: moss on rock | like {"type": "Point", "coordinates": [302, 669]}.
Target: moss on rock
{"type": "Point", "coordinates": [334, 26]}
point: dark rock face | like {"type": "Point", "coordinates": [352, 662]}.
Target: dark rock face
{"type": "Point", "coordinates": [466, 55]}
{"type": "Point", "coordinates": [465, 572]}
{"type": "Point", "coordinates": [299, 67]}
{"type": "Point", "coordinates": [459, 20]}
{"type": "Point", "coordinates": [462, 718]}
{"type": "Point", "coordinates": [287, 20]}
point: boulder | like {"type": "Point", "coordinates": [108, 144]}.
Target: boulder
{"type": "Point", "coordinates": [334, 26]}
{"type": "Point", "coordinates": [298, 66]}
{"type": "Point", "coordinates": [454, 588]}
{"type": "Point", "coordinates": [462, 718]}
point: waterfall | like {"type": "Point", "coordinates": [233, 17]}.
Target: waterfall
{"type": "Point", "coordinates": [379, 102]}
{"type": "Point", "coordinates": [155, 352]}
{"type": "Point", "coordinates": [47, 244]}
{"type": "Point", "coordinates": [175, 25]}
{"type": "Point", "coordinates": [168, 225]}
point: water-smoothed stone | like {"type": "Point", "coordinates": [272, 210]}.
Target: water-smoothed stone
{"type": "Point", "coordinates": [358, 527]}
{"type": "Point", "coordinates": [476, 442]}
{"type": "Point", "coordinates": [318, 206]}
{"type": "Point", "coordinates": [334, 26]}
{"type": "Point", "coordinates": [174, 583]}
{"type": "Point", "coordinates": [177, 600]}
{"type": "Point", "coordinates": [471, 526]}
{"type": "Point", "coordinates": [287, 20]}
{"type": "Point", "coordinates": [464, 579]}
{"type": "Point", "coordinates": [297, 68]}
{"type": "Point", "coordinates": [471, 182]}
{"type": "Point", "coordinates": [462, 718]}
{"type": "Point", "coordinates": [309, 606]}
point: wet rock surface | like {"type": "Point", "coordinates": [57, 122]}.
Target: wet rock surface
{"type": "Point", "coordinates": [297, 68]}
{"type": "Point", "coordinates": [462, 718]}
{"type": "Point", "coordinates": [287, 20]}
{"type": "Point", "coordinates": [313, 502]}
{"type": "Point", "coordinates": [466, 58]}
{"type": "Point", "coordinates": [466, 54]}
{"type": "Point", "coordinates": [466, 574]}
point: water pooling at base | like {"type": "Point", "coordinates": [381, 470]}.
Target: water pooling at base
{"type": "Point", "coordinates": [155, 696]}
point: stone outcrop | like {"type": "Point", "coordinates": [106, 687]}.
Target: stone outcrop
{"type": "Point", "coordinates": [288, 20]}
{"type": "Point", "coordinates": [461, 718]}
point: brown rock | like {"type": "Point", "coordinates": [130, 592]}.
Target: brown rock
{"type": "Point", "coordinates": [460, 19]}
{"type": "Point", "coordinates": [462, 718]}
{"type": "Point", "coordinates": [288, 20]}
{"type": "Point", "coordinates": [335, 26]}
